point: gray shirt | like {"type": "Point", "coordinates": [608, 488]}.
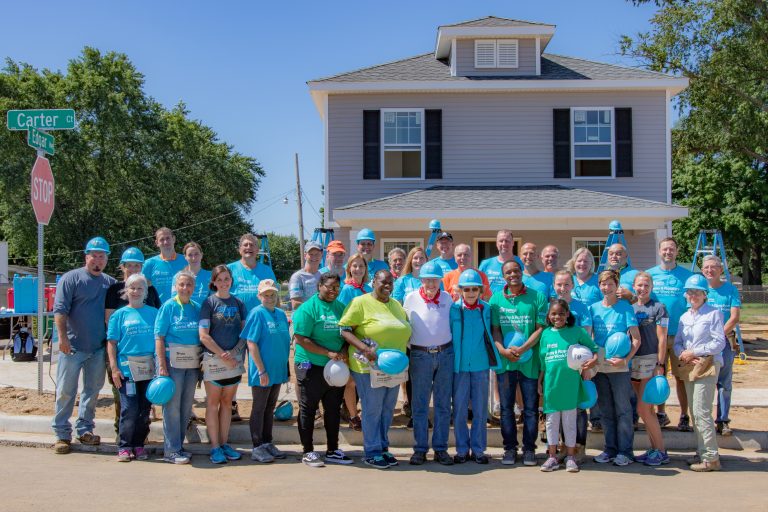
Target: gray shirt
{"type": "Point", "coordinates": [303, 285]}
{"type": "Point", "coordinates": [80, 295]}
{"type": "Point", "coordinates": [224, 319]}
{"type": "Point", "coordinates": [650, 315]}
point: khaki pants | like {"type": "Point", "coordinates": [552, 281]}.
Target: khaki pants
{"type": "Point", "coordinates": [701, 395]}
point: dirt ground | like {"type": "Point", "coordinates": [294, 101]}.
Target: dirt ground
{"type": "Point", "coordinates": [754, 374]}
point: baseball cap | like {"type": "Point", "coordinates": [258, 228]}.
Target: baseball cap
{"type": "Point", "coordinates": [267, 284]}
{"type": "Point", "coordinates": [336, 246]}
{"type": "Point", "coordinates": [312, 245]}
{"type": "Point", "coordinates": [445, 234]}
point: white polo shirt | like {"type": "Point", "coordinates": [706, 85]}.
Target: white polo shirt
{"type": "Point", "coordinates": [430, 323]}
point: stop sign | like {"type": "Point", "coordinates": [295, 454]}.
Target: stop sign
{"type": "Point", "coordinates": [42, 190]}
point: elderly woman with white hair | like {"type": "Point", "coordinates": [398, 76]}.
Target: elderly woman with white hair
{"type": "Point", "coordinates": [585, 287]}
{"type": "Point", "coordinates": [131, 350]}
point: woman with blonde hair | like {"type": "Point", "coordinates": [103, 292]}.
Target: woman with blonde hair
{"type": "Point", "coordinates": [354, 284]}
{"type": "Point", "coordinates": [582, 267]}
{"type": "Point", "coordinates": [409, 280]}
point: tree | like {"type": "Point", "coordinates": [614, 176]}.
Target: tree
{"type": "Point", "coordinates": [130, 167]}
{"type": "Point", "coordinates": [286, 259]}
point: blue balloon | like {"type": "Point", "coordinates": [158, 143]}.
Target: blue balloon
{"type": "Point", "coordinates": [391, 361]}
{"type": "Point", "coordinates": [516, 339]}
{"type": "Point", "coordinates": [617, 345]}
{"type": "Point", "coordinates": [161, 390]}
{"type": "Point", "coordinates": [589, 388]}
{"type": "Point", "coordinates": [656, 391]}
{"type": "Point", "coordinates": [284, 411]}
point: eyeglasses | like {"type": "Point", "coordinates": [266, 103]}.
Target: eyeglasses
{"type": "Point", "coordinates": [471, 289]}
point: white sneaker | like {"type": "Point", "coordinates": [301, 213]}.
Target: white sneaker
{"type": "Point", "coordinates": [313, 460]}
{"type": "Point", "coordinates": [571, 466]}
{"type": "Point", "coordinates": [176, 458]}
{"type": "Point", "coordinates": [550, 464]}
{"type": "Point", "coordinates": [622, 460]}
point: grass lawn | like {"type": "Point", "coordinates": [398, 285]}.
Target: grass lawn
{"type": "Point", "coordinates": [754, 313]}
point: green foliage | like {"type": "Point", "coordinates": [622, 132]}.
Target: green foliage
{"type": "Point", "coordinates": [286, 259]}
{"type": "Point", "coordinates": [130, 167]}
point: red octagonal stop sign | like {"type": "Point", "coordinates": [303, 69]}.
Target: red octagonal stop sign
{"type": "Point", "coordinates": [42, 190]}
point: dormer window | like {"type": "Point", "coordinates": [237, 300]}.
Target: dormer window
{"type": "Point", "coordinates": [496, 53]}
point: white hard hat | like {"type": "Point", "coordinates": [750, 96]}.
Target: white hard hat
{"type": "Point", "coordinates": [336, 373]}
{"type": "Point", "coordinates": [577, 356]}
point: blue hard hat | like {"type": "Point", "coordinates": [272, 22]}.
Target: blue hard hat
{"type": "Point", "coordinates": [587, 395]}
{"type": "Point", "coordinates": [517, 339]}
{"type": "Point", "coordinates": [97, 244]}
{"type": "Point", "coordinates": [431, 270]}
{"type": "Point", "coordinates": [696, 282]}
{"type": "Point", "coordinates": [284, 411]}
{"type": "Point", "coordinates": [132, 255]}
{"type": "Point", "coordinates": [160, 390]}
{"type": "Point", "coordinates": [656, 390]}
{"type": "Point", "coordinates": [391, 361]}
{"type": "Point", "coordinates": [470, 278]}
{"type": "Point", "coordinates": [366, 234]}
{"type": "Point", "coordinates": [617, 345]}
{"type": "Point", "coordinates": [614, 225]}
{"type": "Point", "coordinates": [434, 224]}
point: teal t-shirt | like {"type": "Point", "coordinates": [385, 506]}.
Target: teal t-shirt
{"type": "Point", "coordinates": [522, 313]}
{"type": "Point", "coordinates": [627, 278]}
{"type": "Point", "coordinates": [587, 293]}
{"type": "Point", "coordinates": [160, 273]}
{"type": "Point", "coordinates": [492, 268]}
{"type": "Point", "coordinates": [245, 282]}
{"type": "Point", "coordinates": [561, 383]}
{"type": "Point", "coordinates": [202, 290]}
{"type": "Point", "coordinates": [133, 330]}
{"type": "Point", "coordinates": [541, 282]}
{"type": "Point", "coordinates": [405, 285]}
{"type": "Point", "coordinates": [724, 298]}
{"type": "Point", "coordinates": [581, 313]}
{"type": "Point", "coordinates": [374, 266]}
{"type": "Point", "coordinates": [349, 292]}
{"type": "Point", "coordinates": [269, 331]}
{"type": "Point", "coordinates": [669, 289]}
{"type": "Point", "coordinates": [446, 265]}
{"type": "Point", "coordinates": [607, 320]}
{"type": "Point", "coordinates": [178, 323]}
{"type": "Point", "coordinates": [318, 320]}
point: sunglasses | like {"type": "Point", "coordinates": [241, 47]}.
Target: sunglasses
{"type": "Point", "coordinates": [471, 289]}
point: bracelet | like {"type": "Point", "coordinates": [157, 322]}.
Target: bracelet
{"type": "Point", "coordinates": [262, 373]}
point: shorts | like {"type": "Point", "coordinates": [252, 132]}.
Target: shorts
{"type": "Point", "coordinates": [673, 362]}
{"type": "Point", "coordinates": [643, 366]}
{"type": "Point", "coordinates": [224, 383]}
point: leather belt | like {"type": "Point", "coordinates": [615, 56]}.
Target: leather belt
{"type": "Point", "coordinates": [433, 350]}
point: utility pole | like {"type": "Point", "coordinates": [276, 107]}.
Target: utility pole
{"type": "Point", "coordinates": [301, 215]}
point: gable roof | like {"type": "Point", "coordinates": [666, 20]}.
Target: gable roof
{"type": "Point", "coordinates": [495, 21]}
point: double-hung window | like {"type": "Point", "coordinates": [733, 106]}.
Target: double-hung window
{"type": "Point", "coordinates": [402, 144]}
{"type": "Point", "coordinates": [593, 144]}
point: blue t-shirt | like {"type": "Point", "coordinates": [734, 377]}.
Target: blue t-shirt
{"type": "Point", "coordinates": [587, 293]}
{"type": "Point", "coordinates": [349, 292]}
{"type": "Point", "coordinates": [201, 291]}
{"type": "Point", "coordinates": [405, 285]}
{"type": "Point", "coordinates": [492, 268]}
{"type": "Point", "coordinates": [178, 323]}
{"type": "Point", "coordinates": [669, 289]}
{"type": "Point", "coordinates": [724, 298]}
{"type": "Point", "coordinates": [607, 320]}
{"type": "Point", "coordinates": [269, 331]}
{"type": "Point", "coordinates": [245, 285]}
{"type": "Point", "coordinates": [469, 351]}
{"type": "Point", "coordinates": [160, 273]}
{"type": "Point", "coordinates": [80, 295]}
{"type": "Point", "coordinates": [342, 273]}
{"type": "Point", "coordinates": [627, 278]}
{"type": "Point", "coordinates": [581, 313]}
{"type": "Point", "coordinates": [374, 266]}
{"type": "Point", "coordinates": [541, 282]}
{"type": "Point", "coordinates": [446, 265]}
{"type": "Point", "coordinates": [133, 330]}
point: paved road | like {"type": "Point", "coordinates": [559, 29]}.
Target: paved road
{"type": "Point", "coordinates": [85, 482]}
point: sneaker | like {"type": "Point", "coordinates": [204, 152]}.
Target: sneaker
{"type": "Point", "coordinates": [390, 459]}
{"type": "Point", "coordinates": [571, 466]}
{"type": "Point", "coordinates": [140, 453]}
{"type": "Point", "coordinates": [176, 458]}
{"type": "Point", "coordinates": [529, 458]}
{"type": "Point", "coordinates": [236, 412]}
{"type": "Point", "coordinates": [338, 457]}
{"type": "Point", "coordinates": [62, 446]}
{"type": "Point", "coordinates": [693, 460]}
{"type": "Point", "coordinates": [274, 451]}
{"type": "Point", "coordinates": [442, 457]}
{"type": "Point", "coordinates": [510, 457]}
{"type": "Point", "coordinates": [313, 460]}
{"type": "Point", "coordinates": [597, 427]}
{"type": "Point", "coordinates": [727, 432]}
{"type": "Point", "coordinates": [377, 462]}
{"type": "Point", "coordinates": [460, 459]}
{"type": "Point", "coordinates": [124, 455]}
{"type": "Point", "coordinates": [89, 439]}
{"type": "Point", "coordinates": [642, 458]}
{"type": "Point", "coordinates": [706, 466]}
{"type": "Point", "coordinates": [663, 419]}
{"type": "Point", "coordinates": [603, 458]}
{"type": "Point", "coordinates": [217, 456]}
{"type": "Point", "coordinates": [261, 454]}
{"type": "Point", "coordinates": [685, 424]}
{"type": "Point", "coordinates": [417, 459]}
{"type": "Point", "coordinates": [622, 460]}
{"type": "Point", "coordinates": [356, 424]}
{"type": "Point", "coordinates": [550, 465]}
{"type": "Point", "coordinates": [186, 454]}
{"type": "Point", "coordinates": [664, 457]}
{"type": "Point", "coordinates": [481, 458]}
{"type": "Point", "coordinates": [230, 453]}
{"type": "Point", "coordinates": [653, 458]}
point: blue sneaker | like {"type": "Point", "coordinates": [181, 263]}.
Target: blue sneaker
{"type": "Point", "coordinates": [653, 459]}
{"type": "Point", "coordinates": [642, 458]}
{"type": "Point", "coordinates": [217, 456]}
{"type": "Point", "coordinates": [230, 453]}
{"type": "Point", "coordinates": [377, 462]}
{"type": "Point", "coordinates": [664, 457]}
{"type": "Point", "coordinates": [390, 459]}
{"type": "Point", "coordinates": [603, 458]}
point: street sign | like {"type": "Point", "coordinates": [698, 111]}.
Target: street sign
{"type": "Point", "coordinates": [52, 119]}
{"type": "Point", "coordinates": [40, 140]}
{"type": "Point", "coordinates": [42, 190]}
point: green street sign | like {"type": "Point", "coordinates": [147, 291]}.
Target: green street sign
{"type": "Point", "coordinates": [53, 119]}
{"type": "Point", "coordinates": [40, 140]}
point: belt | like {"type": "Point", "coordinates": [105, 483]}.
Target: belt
{"type": "Point", "coordinates": [433, 350]}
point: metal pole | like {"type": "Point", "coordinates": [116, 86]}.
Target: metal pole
{"type": "Point", "coordinates": [301, 215]}
{"type": "Point", "coordinates": [40, 302]}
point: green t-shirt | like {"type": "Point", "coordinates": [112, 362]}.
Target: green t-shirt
{"type": "Point", "coordinates": [561, 384]}
{"type": "Point", "coordinates": [319, 321]}
{"type": "Point", "coordinates": [520, 313]}
{"type": "Point", "coordinates": [383, 322]}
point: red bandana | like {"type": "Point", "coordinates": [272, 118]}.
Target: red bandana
{"type": "Point", "coordinates": [474, 306]}
{"type": "Point", "coordinates": [510, 295]}
{"type": "Point", "coordinates": [354, 284]}
{"type": "Point", "coordinates": [427, 299]}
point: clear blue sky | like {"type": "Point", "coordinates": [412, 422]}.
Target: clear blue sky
{"type": "Point", "coordinates": [241, 67]}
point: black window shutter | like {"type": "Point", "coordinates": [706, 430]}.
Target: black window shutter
{"type": "Point", "coordinates": [623, 134]}
{"type": "Point", "coordinates": [562, 142]}
{"type": "Point", "coordinates": [371, 144]}
{"type": "Point", "coordinates": [433, 135]}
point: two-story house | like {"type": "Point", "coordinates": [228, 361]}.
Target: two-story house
{"type": "Point", "coordinates": [489, 131]}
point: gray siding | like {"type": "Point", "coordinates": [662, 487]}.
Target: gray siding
{"type": "Point", "coordinates": [495, 139]}
{"type": "Point", "coordinates": [465, 59]}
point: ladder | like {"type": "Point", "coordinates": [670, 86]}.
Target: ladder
{"type": "Point", "coordinates": [717, 248]}
{"type": "Point", "coordinates": [265, 257]}
{"type": "Point", "coordinates": [615, 236]}
{"type": "Point", "coordinates": [434, 226]}
{"type": "Point", "coordinates": [323, 236]}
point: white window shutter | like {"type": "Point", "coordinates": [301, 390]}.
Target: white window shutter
{"type": "Point", "coordinates": [507, 49]}
{"type": "Point", "coordinates": [485, 54]}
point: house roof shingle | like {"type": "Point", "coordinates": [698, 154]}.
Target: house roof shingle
{"type": "Point", "coordinates": [495, 21]}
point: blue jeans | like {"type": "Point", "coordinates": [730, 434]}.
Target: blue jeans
{"type": "Point", "coordinates": [529, 388]}
{"type": "Point", "coordinates": [470, 387]}
{"type": "Point", "coordinates": [725, 385]}
{"type": "Point", "coordinates": [134, 415]}
{"type": "Point", "coordinates": [93, 367]}
{"type": "Point", "coordinates": [378, 405]}
{"type": "Point", "coordinates": [431, 376]}
{"type": "Point", "coordinates": [614, 391]}
{"type": "Point", "coordinates": [178, 411]}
